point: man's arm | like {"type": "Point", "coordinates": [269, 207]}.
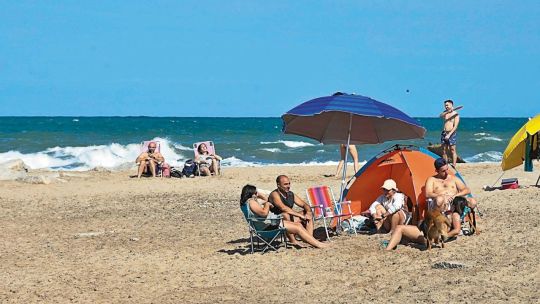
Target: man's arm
{"type": "Point", "coordinates": [276, 201]}
{"type": "Point", "coordinates": [159, 157]}
{"type": "Point", "coordinates": [141, 157]}
{"type": "Point", "coordinates": [429, 188]}
{"type": "Point", "coordinates": [456, 123]}
{"type": "Point", "coordinates": [302, 204]}
{"type": "Point", "coordinates": [463, 190]}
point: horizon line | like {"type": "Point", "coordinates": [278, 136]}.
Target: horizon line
{"type": "Point", "coordinates": [228, 117]}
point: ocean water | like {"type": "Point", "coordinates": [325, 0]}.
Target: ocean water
{"type": "Point", "coordinates": [83, 143]}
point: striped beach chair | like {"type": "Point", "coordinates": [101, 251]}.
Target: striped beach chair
{"type": "Point", "coordinates": [322, 202]}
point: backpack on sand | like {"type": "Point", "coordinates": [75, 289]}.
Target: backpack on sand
{"type": "Point", "coordinates": [190, 168]}
{"type": "Point", "coordinates": [176, 172]}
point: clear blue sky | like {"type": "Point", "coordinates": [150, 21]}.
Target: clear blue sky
{"type": "Point", "coordinates": [261, 58]}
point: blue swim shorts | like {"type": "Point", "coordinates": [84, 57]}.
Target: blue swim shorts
{"type": "Point", "coordinates": [451, 141]}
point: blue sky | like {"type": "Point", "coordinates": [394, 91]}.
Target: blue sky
{"type": "Point", "coordinates": [261, 58]}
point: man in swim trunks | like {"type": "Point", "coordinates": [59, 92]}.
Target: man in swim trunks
{"type": "Point", "coordinates": [149, 160]}
{"type": "Point", "coordinates": [283, 200]}
{"type": "Point", "coordinates": [450, 119]}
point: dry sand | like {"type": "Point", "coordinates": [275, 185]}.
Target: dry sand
{"type": "Point", "coordinates": [104, 237]}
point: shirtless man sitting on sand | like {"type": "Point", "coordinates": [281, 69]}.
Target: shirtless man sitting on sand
{"type": "Point", "coordinates": [149, 160]}
{"type": "Point", "coordinates": [283, 200]}
{"type": "Point", "coordinates": [440, 192]}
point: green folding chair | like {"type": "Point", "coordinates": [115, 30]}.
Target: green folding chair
{"type": "Point", "coordinates": [260, 234]}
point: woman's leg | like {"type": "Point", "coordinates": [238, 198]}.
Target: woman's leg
{"type": "Point", "coordinates": [341, 161]}
{"type": "Point", "coordinates": [456, 225]}
{"type": "Point", "coordinates": [354, 155]}
{"type": "Point", "coordinates": [410, 232]}
{"type": "Point", "coordinates": [205, 171]}
{"type": "Point", "coordinates": [214, 167]}
{"type": "Point", "coordinates": [297, 228]}
{"type": "Point", "coordinates": [379, 211]}
{"type": "Point", "coordinates": [396, 219]}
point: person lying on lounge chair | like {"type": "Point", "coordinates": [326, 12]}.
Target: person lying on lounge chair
{"type": "Point", "coordinates": [208, 163]}
{"type": "Point", "coordinates": [148, 161]}
{"type": "Point", "coordinates": [260, 206]}
{"type": "Point", "coordinates": [388, 209]}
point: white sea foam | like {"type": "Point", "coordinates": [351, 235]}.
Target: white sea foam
{"type": "Point", "coordinates": [85, 158]}
{"type": "Point", "coordinates": [35, 160]}
{"type": "Point", "coordinates": [489, 138]}
{"type": "Point", "coordinates": [289, 143]}
{"type": "Point", "coordinates": [482, 134]}
{"type": "Point", "coordinates": [236, 162]}
{"type": "Point", "coordinates": [273, 150]}
{"type": "Point", "coordinates": [490, 156]}
{"type": "Point", "coordinates": [182, 147]}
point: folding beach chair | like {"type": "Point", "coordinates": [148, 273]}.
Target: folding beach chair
{"type": "Point", "coordinates": [211, 150]}
{"type": "Point", "coordinates": [265, 239]}
{"type": "Point", "coordinates": [144, 148]}
{"type": "Point", "coordinates": [324, 206]}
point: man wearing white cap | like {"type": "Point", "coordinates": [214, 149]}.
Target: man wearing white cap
{"type": "Point", "coordinates": [388, 209]}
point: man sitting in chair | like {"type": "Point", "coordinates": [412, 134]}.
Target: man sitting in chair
{"type": "Point", "coordinates": [149, 160]}
{"type": "Point", "coordinates": [283, 200]}
{"type": "Point", "coordinates": [442, 188]}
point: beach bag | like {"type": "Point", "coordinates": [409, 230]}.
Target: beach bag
{"type": "Point", "coordinates": [176, 172]}
{"type": "Point", "coordinates": [190, 168]}
{"type": "Point", "coordinates": [357, 222]}
{"type": "Point", "coordinates": [165, 170]}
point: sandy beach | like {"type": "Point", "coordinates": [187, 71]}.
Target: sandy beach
{"type": "Point", "coordinates": [102, 237]}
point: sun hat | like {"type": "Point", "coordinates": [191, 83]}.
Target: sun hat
{"type": "Point", "coordinates": [389, 184]}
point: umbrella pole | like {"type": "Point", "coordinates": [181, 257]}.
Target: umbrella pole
{"type": "Point", "coordinates": [344, 175]}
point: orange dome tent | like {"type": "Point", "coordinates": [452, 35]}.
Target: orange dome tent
{"type": "Point", "coordinates": [409, 166]}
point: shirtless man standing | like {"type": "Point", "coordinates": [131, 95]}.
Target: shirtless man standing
{"type": "Point", "coordinates": [450, 118]}
{"type": "Point", "coordinates": [283, 200]}
{"type": "Point", "coordinates": [149, 160]}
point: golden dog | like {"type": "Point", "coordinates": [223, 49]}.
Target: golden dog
{"type": "Point", "coordinates": [436, 228]}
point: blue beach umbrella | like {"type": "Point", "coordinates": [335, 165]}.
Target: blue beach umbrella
{"type": "Point", "coordinates": [350, 119]}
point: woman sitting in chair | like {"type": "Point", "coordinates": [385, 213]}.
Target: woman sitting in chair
{"type": "Point", "coordinates": [208, 163]}
{"type": "Point", "coordinates": [260, 206]}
